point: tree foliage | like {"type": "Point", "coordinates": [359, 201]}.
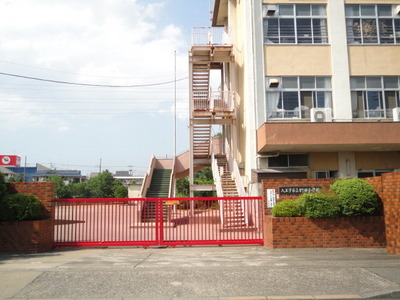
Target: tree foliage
{"type": "Point", "coordinates": [101, 186]}
{"type": "Point", "coordinates": [61, 189]}
{"type": "Point", "coordinates": [357, 197]}
{"type": "Point", "coordinates": [3, 186]}
{"type": "Point", "coordinates": [204, 176]}
{"type": "Point", "coordinates": [321, 204]}
{"type": "Point", "coordinates": [20, 207]}
{"type": "Point", "coordinates": [286, 208]}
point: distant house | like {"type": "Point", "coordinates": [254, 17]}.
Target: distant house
{"type": "Point", "coordinates": [41, 173]}
{"type": "Point", "coordinates": [126, 178]}
{"type": "Point", "coordinates": [7, 173]}
{"type": "Point", "coordinates": [69, 176]}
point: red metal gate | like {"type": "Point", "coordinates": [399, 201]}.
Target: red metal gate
{"type": "Point", "coordinates": [158, 221]}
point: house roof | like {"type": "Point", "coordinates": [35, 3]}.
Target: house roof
{"type": "Point", "coordinates": [6, 171]}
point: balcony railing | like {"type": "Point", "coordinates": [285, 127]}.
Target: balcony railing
{"type": "Point", "coordinates": [213, 101]}
{"type": "Point", "coordinates": [216, 36]}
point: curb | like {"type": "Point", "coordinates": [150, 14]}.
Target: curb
{"type": "Point", "coordinates": [395, 294]}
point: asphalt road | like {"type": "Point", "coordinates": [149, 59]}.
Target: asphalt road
{"type": "Point", "coordinates": [229, 272]}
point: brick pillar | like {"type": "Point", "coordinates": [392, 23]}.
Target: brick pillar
{"type": "Point", "coordinates": [391, 207]}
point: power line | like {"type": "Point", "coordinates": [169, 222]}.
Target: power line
{"type": "Point", "coordinates": [81, 74]}
{"type": "Point", "coordinates": [89, 84]}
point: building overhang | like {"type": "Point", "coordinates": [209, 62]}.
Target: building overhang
{"type": "Point", "coordinates": [328, 137]}
{"type": "Point", "coordinates": [220, 13]}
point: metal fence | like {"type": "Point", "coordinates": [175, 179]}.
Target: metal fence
{"type": "Point", "coordinates": [158, 221]}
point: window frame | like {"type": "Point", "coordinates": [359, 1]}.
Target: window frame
{"type": "Point", "coordinates": [374, 172]}
{"type": "Point", "coordinates": [359, 24]}
{"type": "Point", "coordinates": [356, 92]}
{"type": "Point", "coordinates": [296, 33]}
{"type": "Point", "coordinates": [288, 165]}
{"type": "Point", "coordinates": [277, 97]}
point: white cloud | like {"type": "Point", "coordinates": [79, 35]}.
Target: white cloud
{"type": "Point", "coordinates": [114, 42]}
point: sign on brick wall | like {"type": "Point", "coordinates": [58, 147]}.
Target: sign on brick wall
{"type": "Point", "coordinates": [271, 198]}
{"type": "Point", "coordinates": [298, 190]}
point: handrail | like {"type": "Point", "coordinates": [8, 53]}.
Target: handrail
{"type": "Point", "coordinates": [235, 171]}
{"type": "Point", "coordinates": [216, 36]}
{"type": "Point", "coordinates": [214, 101]}
{"type": "Point", "coordinates": [238, 180]}
{"type": "Point", "coordinates": [218, 185]}
{"type": "Point", "coordinates": [171, 191]}
{"type": "Point", "coordinates": [147, 177]}
{"type": "Point", "coordinates": [216, 176]}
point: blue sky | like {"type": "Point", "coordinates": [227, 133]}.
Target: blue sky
{"type": "Point", "coordinates": [103, 43]}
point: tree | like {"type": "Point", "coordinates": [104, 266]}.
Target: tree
{"type": "Point", "coordinates": [120, 191]}
{"type": "Point", "coordinates": [105, 186]}
{"type": "Point", "coordinates": [102, 185]}
{"type": "Point", "coordinates": [204, 176]}
{"type": "Point", "coordinates": [62, 191]}
{"type": "Point", "coordinates": [78, 190]}
{"type": "Point", "coordinates": [3, 187]}
{"type": "Point", "coordinates": [182, 187]}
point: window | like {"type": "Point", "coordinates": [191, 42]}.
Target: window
{"type": "Point", "coordinates": [372, 173]}
{"type": "Point", "coordinates": [296, 24]}
{"type": "Point", "coordinates": [325, 174]}
{"type": "Point", "coordinates": [372, 24]}
{"type": "Point", "coordinates": [374, 97]}
{"type": "Point", "coordinates": [288, 160]}
{"type": "Point", "coordinates": [295, 96]}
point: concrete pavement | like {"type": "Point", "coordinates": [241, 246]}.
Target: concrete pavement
{"type": "Point", "coordinates": [225, 273]}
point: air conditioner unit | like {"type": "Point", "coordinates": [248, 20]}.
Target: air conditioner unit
{"type": "Point", "coordinates": [269, 10]}
{"type": "Point", "coordinates": [273, 83]}
{"type": "Point", "coordinates": [396, 114]}
{"type": "Point", "coordinates": [321, 115]}
{"type": "Point", "coordinates": [397, 10]}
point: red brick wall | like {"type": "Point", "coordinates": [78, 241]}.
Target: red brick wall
{"type": "Point", "coordinates": [30, 236]}
{"type": "Point", "coordinates": [391, 206]}
{"type": "Point", "coordinates": [345, 232]}
{"type": "Point", "coordinates": [387, 187]}
{"type": "Point", "coordinates": [44, 191]}
{"type": "Point", "coordinates": [26, 236]}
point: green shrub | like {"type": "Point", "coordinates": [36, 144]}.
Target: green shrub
{"type": "Point", "coordinates": [319, 205]}
{"type": "Point", "coordinates": [3, 187]}
{"type": "Point", "coordinates": [357, 197]}
{"type": "Point", "coordinates": [20, 207]}
{"type": "Point", "coordinates": [286, 208]}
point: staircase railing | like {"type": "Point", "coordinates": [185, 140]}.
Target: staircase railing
{"type": "Point", "coordinates": [218, 185]}
{"type": "Point", "coordinates": [147, 177]}
{"type": "Point", "coordinates": [216, 36]}
{"type": "Point", "coordinates": [171, 192]}
{"type": "Point", "coordinates": [145, 186]}
{"type": "Point", "coordinates": [213, 101]}
{"type": "Point", "coordinates": [233, 166]}
{"type": "Point", "coordinates": [238, 180]}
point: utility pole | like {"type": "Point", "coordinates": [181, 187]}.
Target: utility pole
{"type": "Point", "coordinates": [100, 166]}
{"type": "Point", "coordinates": [175, 111]}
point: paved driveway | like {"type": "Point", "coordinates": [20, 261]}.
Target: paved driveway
{"type": "Point", "coordinates": [252, 272]}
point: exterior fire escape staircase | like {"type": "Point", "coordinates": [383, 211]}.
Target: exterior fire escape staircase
{"type": "Point", "coordinates": [201, 124]}
{"type": "Point", "coordinates": [211, 50]}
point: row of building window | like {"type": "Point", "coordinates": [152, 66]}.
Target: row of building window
{"type": "Point", "coordinates": [301, 161]}
{"type": "Point", "coordinates": [307, 24]}
{"type": "Point", "coordinates": [294, 97]}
